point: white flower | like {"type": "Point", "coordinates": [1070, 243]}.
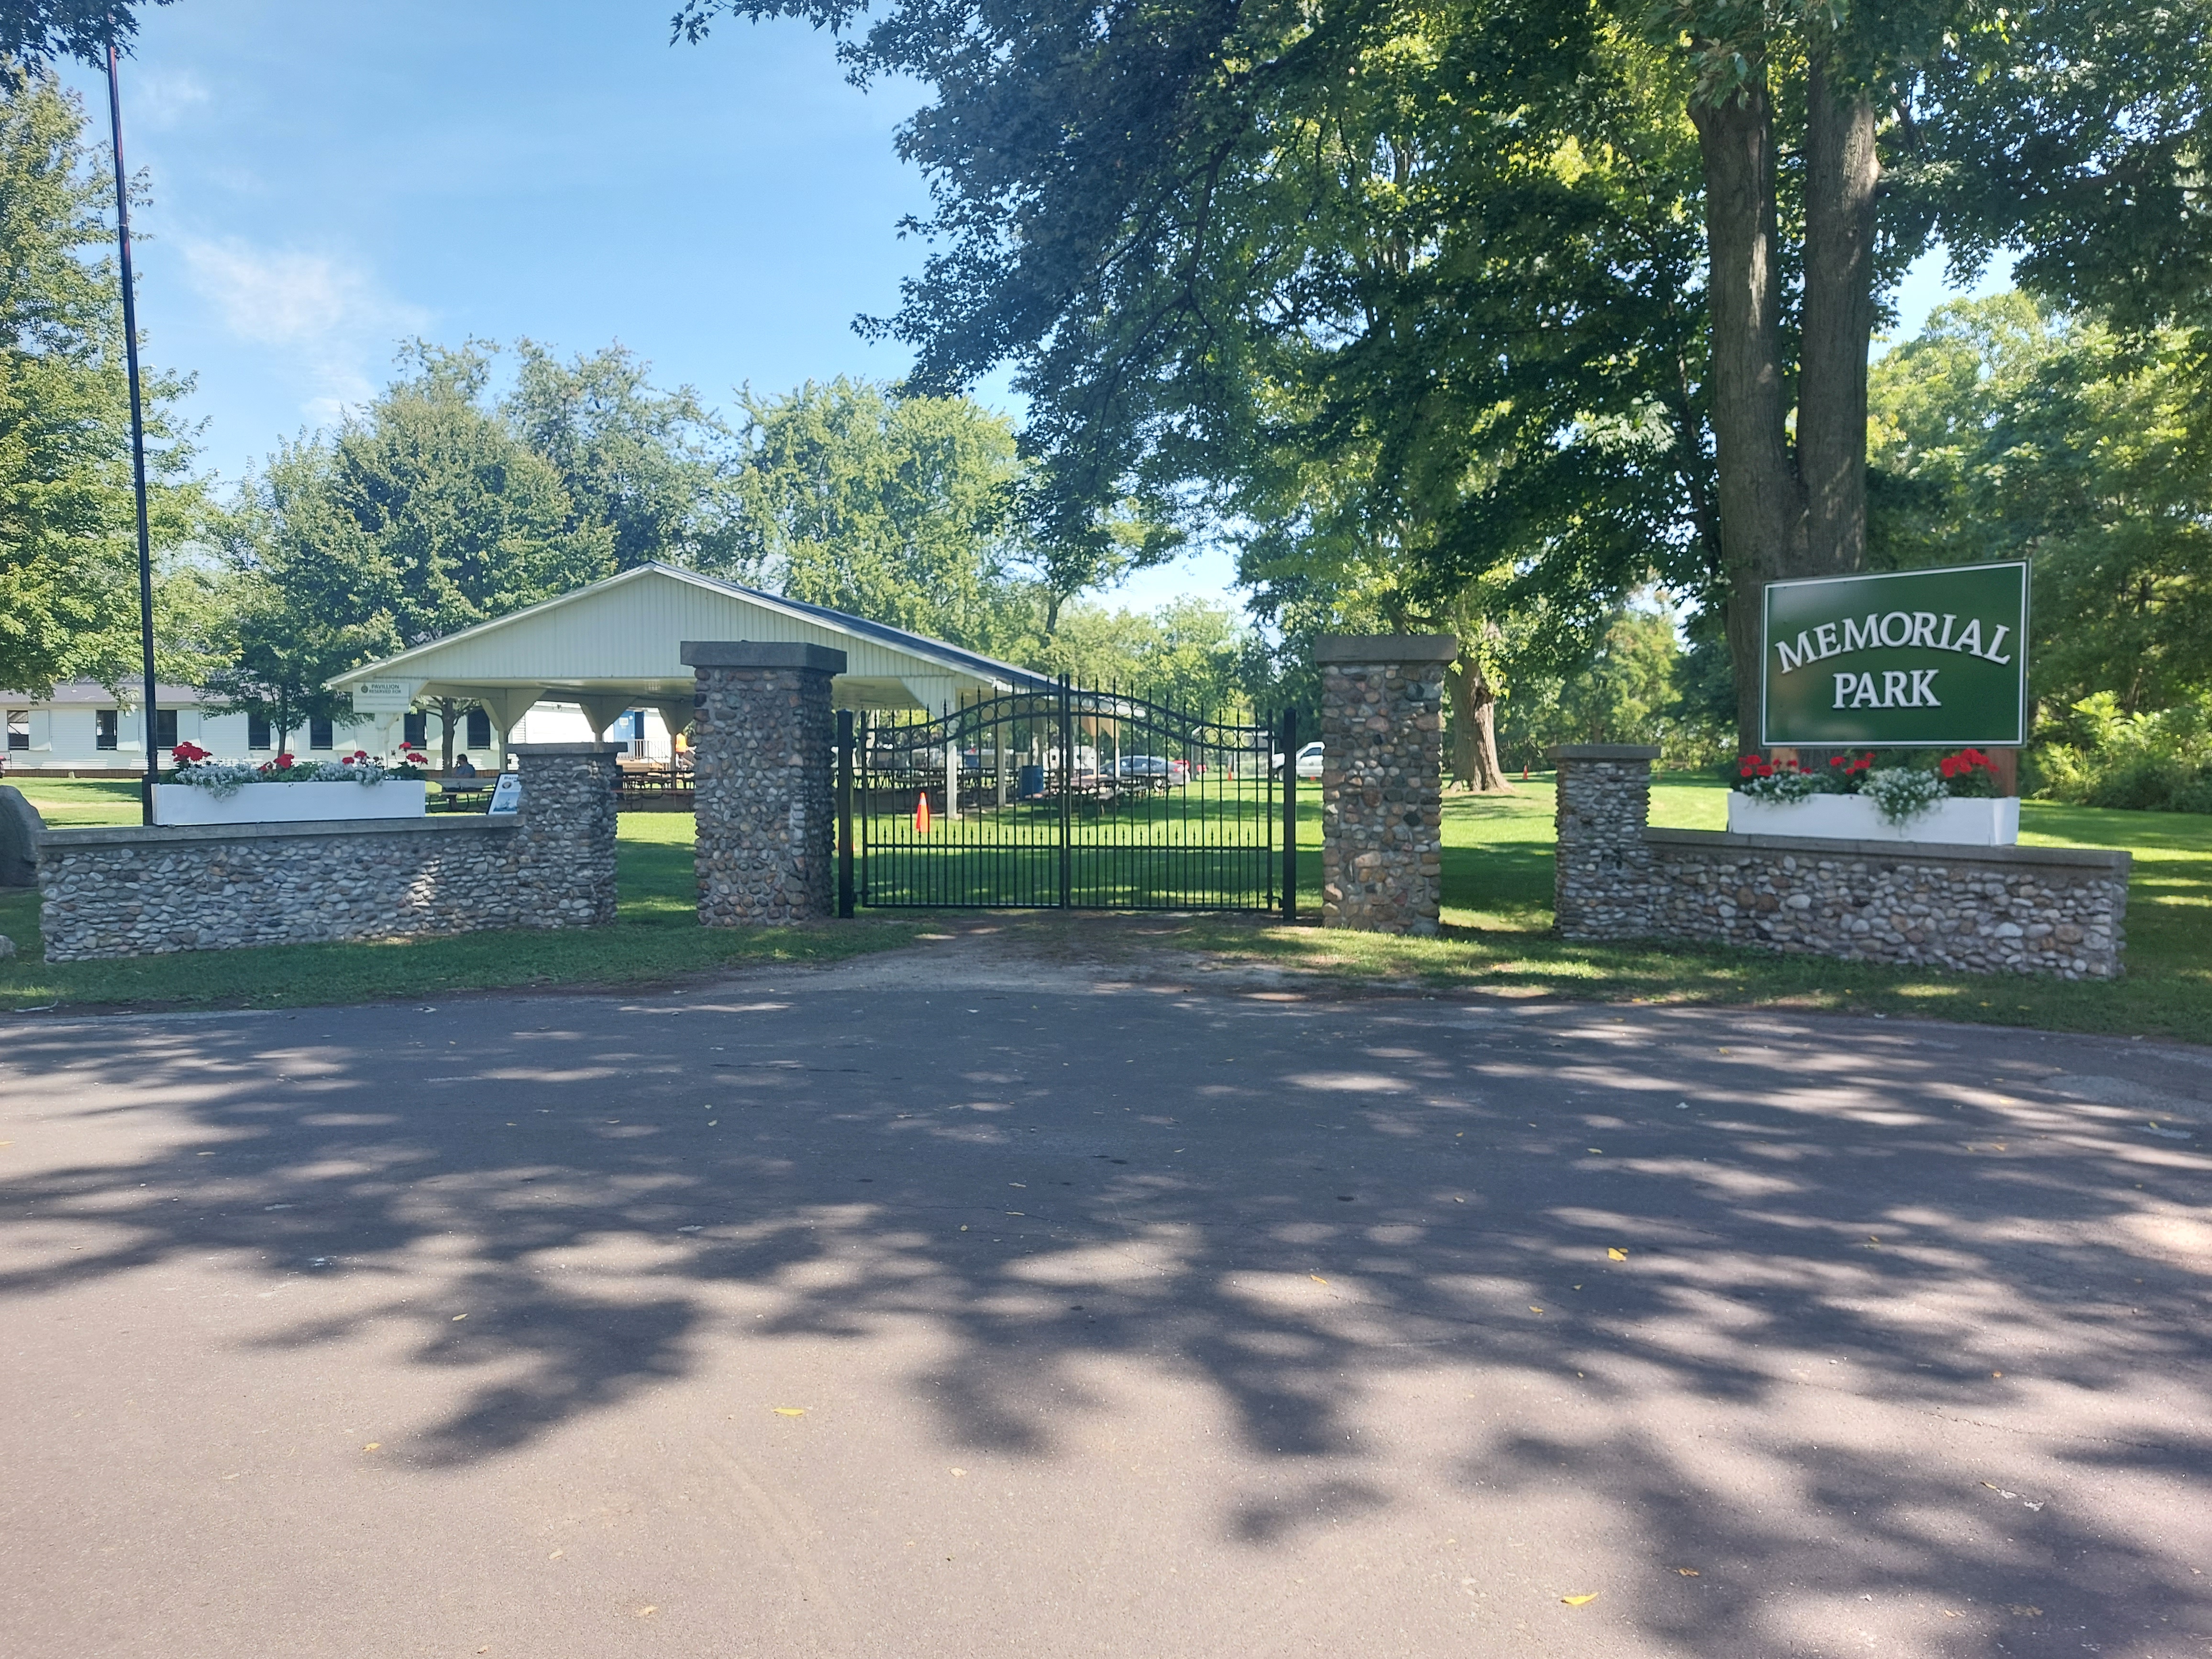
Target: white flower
{"type": "Point", "coordinates": [1902, 794]}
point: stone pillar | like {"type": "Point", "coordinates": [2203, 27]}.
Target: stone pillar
{"type": "Point", "coordinates": [1381, 779]}
{"type": "Point", "coordinates": [1601, 867]}
{"type": "Point", "coordinates": [764, 743]}
{"type": "Point", "coordinates": [564, 843]}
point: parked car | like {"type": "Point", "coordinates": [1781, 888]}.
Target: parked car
{"type": "Point", "coordinates": [1310, 761]}
{"type": "Point", "coordinates": [1137, 768]}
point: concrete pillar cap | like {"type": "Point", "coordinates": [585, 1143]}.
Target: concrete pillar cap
{"type": "Point", "coordinates": [1385, 647]}
{"type": "Point", "coordinates": [1601, 751]}
{"type": "Point", "coordinates": [760, 653]}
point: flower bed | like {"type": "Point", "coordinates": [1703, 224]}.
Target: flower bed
{"type": "Point", "coordinates": [286, 790]}
{"type": "Point", "coordinates": [1994, 823]}
{"type": "Point", "coordinates": [1854, 798]}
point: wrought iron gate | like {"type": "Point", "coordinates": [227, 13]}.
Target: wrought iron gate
{"type": "Point", "coordinates": [1066, 798]}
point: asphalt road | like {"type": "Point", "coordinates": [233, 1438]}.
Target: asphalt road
{"type": "Point", "coordinates": [999, 1312]}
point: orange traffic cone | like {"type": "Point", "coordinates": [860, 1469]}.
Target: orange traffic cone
{"type": "Point", "coordinates": [921, 815]}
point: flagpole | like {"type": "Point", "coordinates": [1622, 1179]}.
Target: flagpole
{"type": "Point", "coordinates": [137, 430]}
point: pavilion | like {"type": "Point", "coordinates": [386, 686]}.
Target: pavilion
{"type": "Point", "coordinates": [616, 645]}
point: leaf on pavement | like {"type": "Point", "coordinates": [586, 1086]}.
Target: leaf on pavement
{"type": "Point", "coordinates": [1613, 1253]}
{"type": "Point", "coordinates": [791, 1411]}
{"type": "Point", "coordinates": [1579, 1600]}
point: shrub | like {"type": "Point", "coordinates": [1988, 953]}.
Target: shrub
{"type": "Point", "coordinates": [2159, 762]}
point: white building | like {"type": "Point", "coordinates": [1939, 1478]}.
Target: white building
{"type": "Point", "coordinates": [84, 730]}
{"type": "Point", "coordinates": [604, 661]}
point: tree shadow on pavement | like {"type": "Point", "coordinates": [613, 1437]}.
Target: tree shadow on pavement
{"type": "Point", "coordinates": [1804, 1314]}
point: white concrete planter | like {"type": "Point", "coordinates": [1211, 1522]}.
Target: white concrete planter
{"type": "Point", "coordinates": [288, 803]}
{"type": "Point", "coordinates": [1855, 818]}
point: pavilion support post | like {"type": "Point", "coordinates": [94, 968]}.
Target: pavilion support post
{"type": "Point", "coordinates": [764, 743]}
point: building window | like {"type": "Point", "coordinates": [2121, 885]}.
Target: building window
{"type": "Point", "coordinates": [479, 729]}
{"type": "Point", "coordinates": [18, 728]}
{"type": "Point", "coordinates": [165, 728]}
{"type": "Point", "coordinates": [257, 730]}
{"type": "Point", "coordinates": [414, 731]}
{"type": "Point", "coordinates": [105, 722]}
{"type": "Point", "coordinates": [320, 735]}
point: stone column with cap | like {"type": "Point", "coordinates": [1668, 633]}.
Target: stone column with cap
{"type": "Point", "coordinates": [564, 844]}
{"type": "Point", "coordinates": [763, 744]}
{"type": "Point", "coordinates": [1601, 869]}
{"type": "Point", "coordinates": [1382, 780]}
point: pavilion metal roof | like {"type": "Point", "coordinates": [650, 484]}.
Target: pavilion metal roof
{"type": "Point", "coordinates": [616, 644]}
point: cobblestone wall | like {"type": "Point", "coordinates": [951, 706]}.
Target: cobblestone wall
{"type": "Point", "coordinates": [2058, 911]}
{"type": "Point", "coordinates": [136, 892]}
{"type": "Point", "coordinates": [763, 742]}
{"type": "Point", "coordinates": [1381, 782]}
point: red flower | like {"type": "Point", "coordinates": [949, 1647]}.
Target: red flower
{"type": "Point", "coordinates": [282, 760]}
{"type": "Point", "coordinates": [1766, 770]}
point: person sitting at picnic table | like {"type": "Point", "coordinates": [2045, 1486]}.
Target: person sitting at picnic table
{"type": "Point", "coordinates": [464, 768]}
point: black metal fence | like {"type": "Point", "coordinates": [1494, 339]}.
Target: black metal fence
{"type": "Point", "coordinates": [1066, 798]}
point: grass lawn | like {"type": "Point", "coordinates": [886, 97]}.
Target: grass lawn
{"type": "Point", "coordinates": [656, 937]}
{"type": "Point", "coordinates": [1498, 914]}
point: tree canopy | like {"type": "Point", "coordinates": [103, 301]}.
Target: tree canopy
{"type": "Point", "coordinates": [655, 468]}
{"type": "Point", "coordinates": [68, 583]}
{"type": "Point", "coordinates": [896, 508]}
{"type": "Point", "coordinates": [2008, 429]}
{"type": "Point", "coordinates": [1578, 290]}
{"type": "Point", "coordinates": [38, 31]}
{"type": "Point", "coordinates": [423, 514]}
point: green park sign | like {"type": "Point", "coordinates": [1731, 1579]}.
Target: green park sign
{"type": "Point", "coordinates": [1926, 659]}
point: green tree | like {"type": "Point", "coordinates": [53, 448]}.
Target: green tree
{"type": "Point", "coordinates": [1190, 654]}
{"type": "Point", "coordinates": [1633, 686]}
{"type": "Point", "coordinates": [423, 515]}
{"type": "Point", "coordinates": [37, 31]}
{"type": "Point", "coordinates": [2008, 428]}
{"type": "Point", "coordinates": [655, 468]}
{"type": "Point", "coordinates": [1145, 208]}
{"type": "Point", "coordinates": [68, 560]}
{"type": "Point", "coordinates": [897, 509]}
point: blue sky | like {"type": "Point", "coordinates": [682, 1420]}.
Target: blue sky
{"type": "Point", "coordinates": [329, 180]}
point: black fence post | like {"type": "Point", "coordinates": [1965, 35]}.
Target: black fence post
{"type": "Point", "coordinates": [1066, 793]}
{"type": "Point", "coordinates": [845, 813]}
{"type": "Point", "coordinates": [1290, 815]}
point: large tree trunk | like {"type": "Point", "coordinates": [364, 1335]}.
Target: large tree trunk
{"type": "Point", "coordinates": [1474, 730]}
{"type": "Point", "coordinates": [448, 711]}
{"type": "Point", "coordinates": [1761, 502]}
{"type": "Point", "coordinates": [1842, 171]}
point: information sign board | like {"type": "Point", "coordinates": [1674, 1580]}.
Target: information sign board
{"type": "Point", "coordinates": [506, 794]}
{"type": "Point", "coordinates": [384, 696]}
{"type": "Point", "coordinates": [1910, 659]}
